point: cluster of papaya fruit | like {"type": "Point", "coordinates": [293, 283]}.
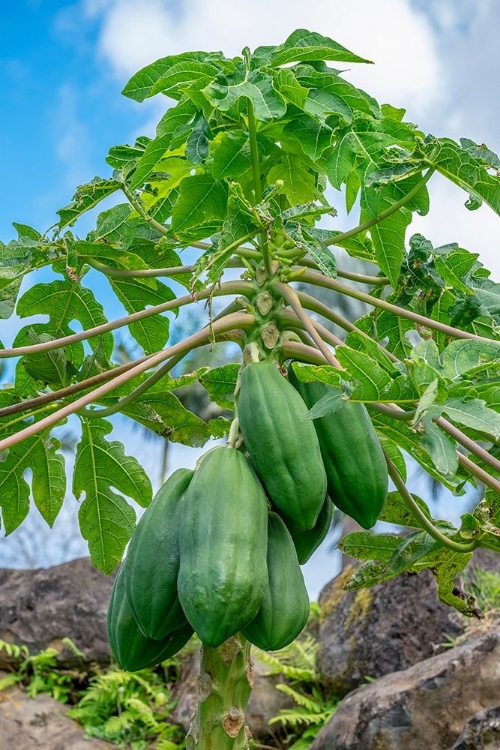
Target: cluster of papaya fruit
{"type": "Point", "coordinates": [219, 549]}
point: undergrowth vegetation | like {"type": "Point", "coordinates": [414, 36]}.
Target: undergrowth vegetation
{"type": "Point", "coordinates": [133, 710]}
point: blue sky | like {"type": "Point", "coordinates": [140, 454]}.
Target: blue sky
{"type": "Point", "coordinates": [62, 110]}
{"type": "Point", "coordinates": [63, 65]}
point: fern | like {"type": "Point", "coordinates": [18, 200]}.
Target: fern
{"type": "Point", "coordinates": [128, 709]}
{"type": "Point", "coordinates": [11, 679]}
{"type": "Point", "coordinates": [13, 650]}
{"type": "Point", "coordinates": [301, 699]}
{"type": "Point", "coordinates": [313, 709]}
{"type": "Point", "coordinates": [73, 648]}
{"type": "Point", "coordinates": [295, 662]}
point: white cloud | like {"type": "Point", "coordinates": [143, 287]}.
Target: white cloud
{"type": "Point", "coordinates": [426, 61]}
{"type": "Point", "coordinates": [403, 47]}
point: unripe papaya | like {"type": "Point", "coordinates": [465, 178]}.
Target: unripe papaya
{"type": "Point", "coordinates": [131, 649]}
{"type": "Point", "coordinates": [307, 541]}
{"type": "Point", "coordinates": [223, 544]}
{"type": "Point", "coordinates": [152, 562]}
{"type": "Point", "coordinates": [352, 454]}
{"type": "Point", "coordinates": [283, 448]}
{"type": "Point", "coordinates": [285, 608]}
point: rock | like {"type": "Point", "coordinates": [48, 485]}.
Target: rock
{"type": "Point", "coordinates": [485, 558]}
{"type": "Point", "coordinates": [425, 706]}
{"type": "Point", "coordinates": [376, 631]}
{"type": "Point", "coordinates": [482, 731]}
{"type": "Point", "coordinates": [265, 701]}
{"type": "Point", "coordinates": [27, 723]}
{"type": "Point", "coordinates": [38, 608]}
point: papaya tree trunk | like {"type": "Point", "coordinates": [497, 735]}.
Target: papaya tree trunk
{"type": "Point", "coordinates": [223, 687]}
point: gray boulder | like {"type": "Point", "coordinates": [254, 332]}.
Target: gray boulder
{"type": "Point", "coordinates": [41, 723]}
{"type": "Point", "coordinates": [482, 731]}
{"type": "Point", "coordinates": [376, 631]}
{"type": "Point", "coordinates": [425, 706]}
{"type": "Point", "coordinates": [38, 608]}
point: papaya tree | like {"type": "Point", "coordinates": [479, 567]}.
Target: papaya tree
{"type": "Point", "coordinates": [243, 169]}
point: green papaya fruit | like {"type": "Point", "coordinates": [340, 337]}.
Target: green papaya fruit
{"type": "Point", "coordinates": [354, 461]}
{"type": "Point", "coordinates": [223, 543]}
{"type": "Point", "coordinates": [131, 649]}
{"type": "Point", "coordinates": [285, 609]}
{"type": "Point", "coordinates": [307, 541]}
{"type": "Point", "coordinates": [283, 448]}
{"type": "Point", "coordinates": [152, 562]}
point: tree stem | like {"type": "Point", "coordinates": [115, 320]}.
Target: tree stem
{"type": "Point", "coordinates": [138, 273]}
{"type": "Point", "coordinates": [257, 187]}
{"type": "Point", "coordinates": [424, 522]}
{"type": "Point", "coordinates": [160, 228]}
{"type": "Point", "coordinates": [309, 354]}
{"type": "Point", "coordinates": [310, 277]}
{"type": "Point", "coordinates": [229, 287]}
{"type": "Point", "coordinates": [234, 321]}
{"type": "Point", "coordinates": [479, 473]}
{"type": "Point", "coordinates": [133, 395]}
{"type": "Point", "coordinates": [311, 303]}
{"type": "Point", "coordinates": [292, 321]}
{"type": "Point", "coordinates": [384, 214]}
{"type": "Point", "coordinates": [223, 686]}
{"type": "Point", "coordinates": [291, 297]}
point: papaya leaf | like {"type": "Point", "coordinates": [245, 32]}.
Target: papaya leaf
{"type": "Point", "coordinates": [474, 414]}
{"type": "Point", "coordinates": [290, 89]}
{"type": "Point", "coordinates": [111, 225]}
{"type": "Point", "coordinates": [176, 119]}
{"type": "Point", "coordinates": [106, 519]}
{"type": "Point", "coordinates": [230, 155]}
{"type": "Point", "coordinates": [411, 442]}
{"type": "Point", "coordinates": [466, 355]}
{"type": "Point", "coordinates": [40, 454]}
{"type": "Point", "coordinates": [441, 448]}
{"type": "Point", "coordinates": [154, 152]}
{"type": "Point", "coordinates": [86, 197]}
{"type": "Point", "coordinates": [220, 383]}
{"type": "Point", "coordinates": [198, 141]}
{"type": "Point", "coordinates": [303, 45]}
{"type": "Point", "coordinates": [63, 301]}
{"type": "Point", "coordinates": [125, 157]}
{"type": "Point", "coordinates": [178, 78]}
{"type": "Point", "coordinates": [481, 152]}
{"type": "Point", "coordinates": [200, 208]}
{"type": "Point", "coordinates": [329, 404]}
{"type": "Point", "coordinates": [464, 169]}
{"type": "Point", "coordinates": [299, 184]}
{"type": "Point", "coordinates": [324, 373]}
{"type": "Point", "coordinates": [255, 86]}
{"type": "Point", "coordinates": [342, 96]}
{"type": "Point", "coordinates": [151, 333]}
{"type": "Point", "coordinates": [371, 379]}
{"type": "Point", "coordinates": [385, 325]}
{"type": "Point", "coordinates": [409, 552]}
{"type": "Point", "coordinates": [308, 241]}
{"type": "Point", "coordinates": [445, 568]}
{"type": "Point", "coordinates": [312, 136]}
{"type": "Point", "coordinates": [395, 511]}
{"type": "Point", "coordinates": [357, 247]}
{"type": "Point", "coordinates": [396, 456]}
{"type": "Point", "coordinates": [174, 70]}
{"type": "Point", "coordinates": [49, 367]}
{"type": "Point", "coordinates": [164, 414]}
{"type": "Point", "coordinates": [367, 545]}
